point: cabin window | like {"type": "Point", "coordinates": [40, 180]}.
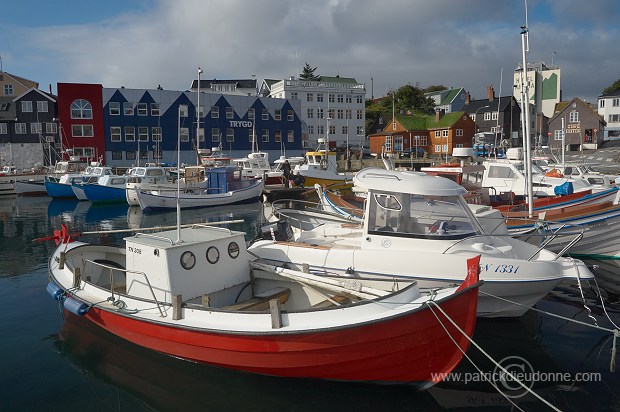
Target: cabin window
{"type": "Point", "coordinates": [213, 255]}
{"type": "Point", "coordinates": [233, 250]}
{"type": "Point", "coordinates": [188, 260]}
{"type": "Point", "coordinates": [500, 172]}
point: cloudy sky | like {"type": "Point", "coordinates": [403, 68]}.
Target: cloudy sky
{"type": "Point", "coordinates": [459, 43]}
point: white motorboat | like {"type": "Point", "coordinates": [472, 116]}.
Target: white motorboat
{"type": "Point", "coordinates": [147, 178]}
{"type": "Point", "coordinates": [320, 167]}
{"type": "Point", "coordinates": [415, 223]}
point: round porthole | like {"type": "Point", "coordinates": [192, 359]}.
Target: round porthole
{"type": "Point", "coordinates": [213, 255]}
{"type": "Point", "coordinates": [233, 250]}
{"type": "Point", "coordinates": [188, 260]}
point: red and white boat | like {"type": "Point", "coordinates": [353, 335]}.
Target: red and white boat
{"type": "Point", "coordinates": [197, 294]}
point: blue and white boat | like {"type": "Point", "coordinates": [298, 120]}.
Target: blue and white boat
{"type": "Point", "coordinates": [108, 189]}
{"type": "Point", "coordinates": [63, 188]}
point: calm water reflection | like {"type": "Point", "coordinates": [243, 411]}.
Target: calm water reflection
{"type": "Point", "coordinates": [53, 364]}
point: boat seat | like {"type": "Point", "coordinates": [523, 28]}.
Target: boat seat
{"type": "Point", "coordinates": [260, 301]}
{"type": "Point", "coordinates": [340, 299]}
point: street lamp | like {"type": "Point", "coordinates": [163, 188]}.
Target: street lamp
{"type": "Point", "coordinates": [476, 122]}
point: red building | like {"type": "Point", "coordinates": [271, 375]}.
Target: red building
{"type": "Point", "coordinates": [80, 111]}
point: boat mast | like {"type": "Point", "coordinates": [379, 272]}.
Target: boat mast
{"type": "Point", "coordinates": [179, 175]}
{"type": "Point", "coordinates": [198, 119]}
{"type": "Point", "coordinates": [526, 118]}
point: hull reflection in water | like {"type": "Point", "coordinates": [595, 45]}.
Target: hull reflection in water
{"type": "Point", "coordinates": [166, 383]}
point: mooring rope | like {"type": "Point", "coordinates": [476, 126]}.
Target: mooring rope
{"type": "Point", "coordinates": [497, 364]}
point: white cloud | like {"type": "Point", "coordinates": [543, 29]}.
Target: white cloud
{"type": "Point", "coordinates": [455, 43]}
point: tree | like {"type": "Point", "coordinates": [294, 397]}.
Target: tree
{"type": "Point", "coordinates": [612, 88]}
{"type": "Point", "coordinates": [308, 73]}
{"type": "Point", "coordinates": [408, 97]}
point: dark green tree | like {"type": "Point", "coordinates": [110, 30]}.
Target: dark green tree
{"type": "Point", "coordinates": [408, 98]}
{"type": "Point", "coordinates": [612, 88]}
{"type": "Point", "coordinates": [308, 73]}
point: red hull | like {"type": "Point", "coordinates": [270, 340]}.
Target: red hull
{"type": "Point", "coordinates": [408, 348]}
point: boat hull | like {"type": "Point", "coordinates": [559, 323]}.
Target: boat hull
{"type": "Point", "coordinates": [198, 198]}
{"type": "Point", "coordinates": [30, 188]}
{"type": "Point", "coordinates": [104, 194]}
{"type": "Point", "coordinates": [59, 190]}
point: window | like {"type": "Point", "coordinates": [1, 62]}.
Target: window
{"type": "Point", "coordinates": [251, 113]}
{"type": "Point", "coordinates": [601, 103]}
{"type": "Point", "coordinates": [130, 155]}
{"type": "Point", "coordinates": [42, 107]}
{"type": "Point", "coordinates": [142, 109]}
{"type": "Point", "coordinates": [115, 134]}
{"type": "Point", "coordinates": [310, 129]}
{"type": "Point", "coordinates": [265, 135]}
{"type": "Point", "coordinates": [3, 128]}
{"type": "Point", "coordinates": [114, 108]}
{"type": "Point", "coordinates": [265, 114]}
{"type": "Point", "coordinates": [340, 98]}
{"type": "Point", "coordinates": [290, 115]}
{"type": "Point", "coordinates": [459, 132]}
{"type": "Point", "coordinates": [278, 115]}
{"type": "Point", "coordinates": [487, 116]}
{"type": "Point", "coordinates": [8, 90]}
{"type": "Point", "coordinates": [444, 133]}
{"type": "Point", "coordinates": [84, 151]}
{"type": "Point", "coordinates": [501, 172]}
{"type": "Point", "coordinates": [330, 98]}
{"type": "Point", "coordinates": [130, 134]}
{"type": "Point", "coordinates": [332, 129]}
{"type": "Point", "coordinates": [615, 102]}
{"type": "Point", "coordinates": [348, 114]}
{"type": "Point", "coordinates": [360, 100]}
{"type": "Point", "coordinates": [183, 110]}
{"type": "Point", "coordinates": [290, 136]}
{"type": "Point", "coordinates": [156, 131]}
{"type": "Point", "coordinates": [319, 113]}
{"type": "Point", "coordinates": [215, 112]}
{"type": "Point", "coordinates": [494, 116]}
{"type": "Point", "coordinates": [614, 118]}
{"type": "Point", "coordinates": [557, 135]}
{"type": "Point", "coordinates": [81, 109]}
{"type": "Point", "coordinates": [360, 115]}
{"type": "Point", "coordinates": [445, 148]}
{"type": "Point", "coordinates": [340, 114]}
{"type": "Point", "coordinates": [294, 95]}
{"type": "Point", "coordinates": [143, 134]}
{"type": "Point", "coordinates": [27, 106]}
{"type": "Point", "coordinates": [348, 98]}
{"type": "Point", "coordinates": [330, 114]}
{"type": "Point", "coordinates": [117, 155]}
{"type": "Point", "coordinates": [230, 135]}
{"type": "Point", "coordinates": [184, 134]}
{"type": "Point", "coordinates": [310, 97]}
{"type": "Point", "coordinates": [201, 134]}
{"type": "Point", "coordinates": [278, 136]}
{"type": "Point", "coordinates": [230, 113]}
{"type": "Point", "coordinates": [320, 130]}
{"type": "Point", "coordinates": [82, 130]}
{"type": "Point", "coordinates": [319, 97]}
{"type": "Point", "coordinates": [251, 135]}
{"type": "Point", "coordinates": [573, 117]}
{"type": "Point", "coordinates": [128, 108]}
{"type": "Point", "coordinates": [310, 113]}
{"type": "Point", "coordinates": [154, 109]}
{"type": "Point", "coordinates": [360, 131]}
{"type": "Point", "coordinates": [215, 135]}
{"type": "Point", "coordinates": [437, 133]}
{"type": "Point", "coordinates": [35, 128]}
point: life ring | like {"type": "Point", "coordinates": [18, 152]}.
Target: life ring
{"type": "Point", "coordinates": [323, 164]}
{"type": "Point", "coordinates": [554, 173]}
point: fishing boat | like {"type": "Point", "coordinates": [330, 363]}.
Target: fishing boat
{"type": "Point", "coordinates": [62, 188]}
{"type": "Point", "coordinates": [107, 189]}
{"type": "Point", "coordinates": [415, 223]}
{"type": "Point", "coordinates": [196, 293]}
{"type": "Point", "coordinates": [224, 185]}
{"type": "Point", "coordinates": [34, 187]}
{"type": "Point", "coordinates": [147, 177]}
{"type": "Point", "coordinates": [320, 167]}
{"type": "Point", "coordinates": [9, 175]}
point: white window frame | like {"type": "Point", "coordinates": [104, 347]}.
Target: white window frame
{"type": "Point", "coordinates": [26, 106]}
{"type": "Point", "coordinates": [230, 113]}
{"type": "Point", "coordinates": [215, 112]}
{"type": "Point", "coordinates": [20, 128]}
{"type": "Point", "coordinates": [130, 134]}
{"type": "Point", "coordinates": [35, 128]}
{"type": "Point", "coordinates": [573, 116]}
{"type": "Point", "coordinates": [114, 108]}
{"type": "Point", "coordinates": [215, 134]}
{"type": "Point", "coordinates": [42, 106]}
{"type": "Point", "coordinates": [3, 128]}
{"type": "Point", "coordinates": [230, 135]}
{"type": "Point", "coordinates": [128, 109]}
{"type": "Point", "coordinates": [290, 136]}
{"type": "Point", "coordinates": [156, 133]}
{"type": "Point", "coordinates": [265, 135]}
{"type": "Point", "coordinates": [143, 134]}
{"type": "Point", "coordinates": [143, 109]}
{"type": "Point", "coordinates": [115, 134]}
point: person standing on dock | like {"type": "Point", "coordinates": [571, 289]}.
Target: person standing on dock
{"type": "Point", "coordinates": [286, 172]}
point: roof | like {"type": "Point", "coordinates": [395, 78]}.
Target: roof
{"type": "Point", "coordinates": [419, 121]}
{"type": "Point", "coordinates": [479, 105]}
{"type": "Point", "coordinates": [612, 94]}
{"type": "Point", "coordinates": [240, 83]}
{"type": "Point", "coordinates": [445, 96]}
{"type": "Point", "coordinates": [373, 178]}
{"type": "Point", "coordinates": [561, 106]}
{"type": "Point", "coordinates": [338, 79]}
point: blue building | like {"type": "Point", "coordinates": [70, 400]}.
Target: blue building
{"type": "Point", "coordinates": [143, 125]}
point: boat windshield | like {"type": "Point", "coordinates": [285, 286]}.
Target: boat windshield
{"type": "Point", "coordinates": [411, 215]}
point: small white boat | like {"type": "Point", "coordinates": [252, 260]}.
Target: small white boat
{"type": "Point", "coordinates": [415, 223]}
{"type": "Point", "coordinates": [225, 185]}
{"type": "Point", "coordinates": [9, 176]}
{"type": "Point", "coordinates": [147, 178]}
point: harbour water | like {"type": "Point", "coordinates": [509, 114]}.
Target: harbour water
{"type": "Point", "coordinates": [55, 364]}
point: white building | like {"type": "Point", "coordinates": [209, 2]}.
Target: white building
{"type": "Point", "coordinates": [331, 107]}
{"type": "Point", "coordinates": [609, 109]}
{"type": "Point", "coordinates": [543, 87]}
{"type": "Point", "coordinates": [239, 87]}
